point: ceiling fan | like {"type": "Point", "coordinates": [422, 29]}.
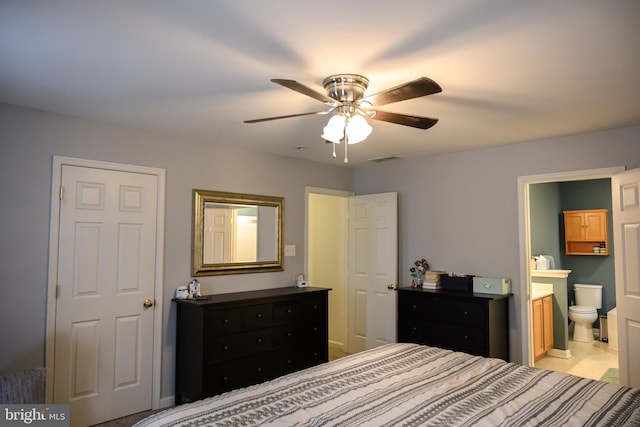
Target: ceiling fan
{"type": "Point", "coordinates": [346, 100]}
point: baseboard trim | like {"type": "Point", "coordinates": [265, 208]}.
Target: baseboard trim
{"type": "Point", "coordinates": [563, 354]}
{"type": "Point", "coordinates": [167, 402]}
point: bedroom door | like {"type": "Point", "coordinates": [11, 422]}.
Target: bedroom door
{"type": "Point", "coordinates": [104, 309]}
{"type": "Point", "coordinates": [626, 235]}
{"type": "Point", "coordinates": [373, 270]}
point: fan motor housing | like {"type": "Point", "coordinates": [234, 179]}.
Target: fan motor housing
{"type": "Point", "coordinates": [346, 87]}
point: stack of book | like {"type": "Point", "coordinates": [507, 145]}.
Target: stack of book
{"type": "Point", "coordinates": [432, 279]}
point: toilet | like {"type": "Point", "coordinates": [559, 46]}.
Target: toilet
{"type": "Point", "coordinates": [585, 312]}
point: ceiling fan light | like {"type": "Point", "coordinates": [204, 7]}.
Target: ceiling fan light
{"type": "Point", "coordinates": [357, 129]}
{"type": "Point", "coordinates": [334, 130]}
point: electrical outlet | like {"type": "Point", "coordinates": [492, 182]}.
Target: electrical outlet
{"type": "Point", "coordinates": [289, 250]}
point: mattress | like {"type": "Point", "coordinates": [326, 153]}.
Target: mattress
{"type": "Point", "coordinates": [415, 385]}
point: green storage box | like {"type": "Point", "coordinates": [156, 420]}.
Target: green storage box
{"type": "Point", "coordinates": [492, 285]}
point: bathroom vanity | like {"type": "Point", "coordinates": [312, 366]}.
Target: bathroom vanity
{"type": "Point", "coordinates": [542, 313]}
{"type": "Point", "coordinates": [560, 300]}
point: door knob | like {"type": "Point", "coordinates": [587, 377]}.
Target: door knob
{"type": "Point", "coordinates": [391, 286]}
{"type": "Point", "coordinates": [147, 303]}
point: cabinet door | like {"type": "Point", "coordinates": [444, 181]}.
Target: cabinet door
{"type": "Point", "coordinates": [547, 322]}
{"type": "Point", "coordinates": [596, 225]}
{"type": "Point", "coordinates": [538, 338]}
{"type": "Point", "coordinates": [574, 226]}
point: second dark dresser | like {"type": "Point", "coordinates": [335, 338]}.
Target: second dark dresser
{"type": "Point", "coordinates": [468, 322]}
{"type": "Point", "coordinates": [234, 340]}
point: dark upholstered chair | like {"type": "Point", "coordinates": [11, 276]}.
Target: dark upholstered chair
{"type": "Point", "coordinates": [23, 387]}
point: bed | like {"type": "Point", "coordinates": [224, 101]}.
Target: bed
{"type": "Point", "coordinates": [411, 385]}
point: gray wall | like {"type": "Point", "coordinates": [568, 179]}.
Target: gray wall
{"type": "Point", "coordinates": [545, 206]}
{"type": "Point", "coordinates": [460, 211]}
{"type": "Point", "coordinates": [29, 139]}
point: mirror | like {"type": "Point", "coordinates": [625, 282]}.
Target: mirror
{"type": "Point", "coordinates": [236, 233]}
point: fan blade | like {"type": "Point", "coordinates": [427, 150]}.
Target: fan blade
{"type": "Point", "coordinates": [413, 89]}
{"type": "Point", "coordinates": [266, 119]}
{"type": "Point", "coordinates": [305, 90]}
{"type": "Point", "coordinates": [405, 120]}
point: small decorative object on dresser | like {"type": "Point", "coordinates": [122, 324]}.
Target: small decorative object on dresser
{"type": "Point", "coordinates": [182, 292]}
{"type": "Point", "coordinates": [418, 271]}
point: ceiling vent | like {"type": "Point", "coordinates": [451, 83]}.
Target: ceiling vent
{"type": "Point", "coordinates": [383, 159]}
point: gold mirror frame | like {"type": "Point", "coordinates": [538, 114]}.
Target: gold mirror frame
{"type": "Point", "coordinates": [200, 198]}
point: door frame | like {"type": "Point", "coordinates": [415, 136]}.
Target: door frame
{"type": "Point", "coordinates": [345, 292]}
{"type": "Point", "coordinates": [56, 182]}
{"type": "Point", "coordinates": [524, 226]}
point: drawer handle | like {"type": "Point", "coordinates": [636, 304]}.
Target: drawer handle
{"type": "Point", "coordinates": [225, 321]}
{"type": "Point", "coordinates": [466, 313]}
{"type": "Point", "coordinates": [289, 362]}
{"type": "Point", "coordinates": [259, 370]}
{"type": "Point", "coordinates": [288, 311]}
{"type": "Point", "coordinates": [225, 348]}
{"type": "Point", "coordinates": [466, 337]}
{"type": "Point", "coordinates": [289, 334]}
{"type": "Point", "coordinates": [225, 379]}
{"type": "Point", "coordinates": [414, 306]}
{"type": "Point", "coordinates": [315, 329]}
{"type": "Point", "coordinates": [259, 315]}
{"type": "Point", "coordinates": [259, 340]}
{"type": "Point", "coordinates": [315, 306]}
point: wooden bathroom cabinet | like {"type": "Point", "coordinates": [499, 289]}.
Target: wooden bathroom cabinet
{"type": "Point", "coordinates": [584, 230]}
{"type": "Point", "coordinates": [542, 326]}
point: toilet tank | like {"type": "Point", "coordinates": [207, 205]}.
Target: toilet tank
{"type": "Point", "coordinates": [588, 295]}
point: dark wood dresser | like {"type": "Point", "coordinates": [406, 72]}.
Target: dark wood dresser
{"type": "Point", "coordinates": [235, 340]}
{"type": "Point", "coordinates": [470, 322]}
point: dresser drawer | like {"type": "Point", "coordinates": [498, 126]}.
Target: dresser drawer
{"type": "Point", "coordinates": [288, 335]}
{"type": "Point", "coordinates": [287, 311]}
{"type": "Point", "coordinates": [464, 338]}
{"type": "Point", "coordinates": [315, 307]}
{"type": "Point", "coordinates": [222, 322]}
{"type": "Point", "coordinates": [229, 347]}
{"type": "Point", "coordinates": [414, 330]}
{"type": "Point", "coordinates": [423, 307]}
{"type": "Point", "coordinates": [237, 373]}
{"type": "Point", "coordinates": [464, 313]}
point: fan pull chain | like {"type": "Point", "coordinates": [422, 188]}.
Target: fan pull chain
{"type": "Point", "coordinates": [346, 160]}
{"type": "Point", "coordinates": [334, 149]}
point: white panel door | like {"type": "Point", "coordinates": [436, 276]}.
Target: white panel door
{"type": "Point", "coordinates": [106, 267]}
{"type": "Point", "coordinates": [217, 236]}
{"type": "Point", "coordinates": [373, 270]}
{"type": "Point", "coordinates": [626, 235]}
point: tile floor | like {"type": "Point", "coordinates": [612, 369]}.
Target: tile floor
{"type": "Point", "coordinates": [589, 360]}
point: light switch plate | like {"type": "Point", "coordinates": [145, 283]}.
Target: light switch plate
{"type": "Point", "coordinates": [289, 250]}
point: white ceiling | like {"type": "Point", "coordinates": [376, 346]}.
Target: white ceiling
{"type": "Point", "coordinates": [511, 71]}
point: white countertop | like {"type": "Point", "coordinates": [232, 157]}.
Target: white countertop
{"type": "Point", "coordinates": [560, 274]}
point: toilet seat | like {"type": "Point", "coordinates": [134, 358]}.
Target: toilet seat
{"type": "Point", "coordinates": [582, 309]}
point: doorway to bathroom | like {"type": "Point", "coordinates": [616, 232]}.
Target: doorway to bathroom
{"type": "Point", "coordinates": [546, 198]}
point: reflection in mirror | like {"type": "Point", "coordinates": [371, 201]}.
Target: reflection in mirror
{"type": "Point", "coordinates": [236, 233]}
{"type": "Point", "coordinates": [239, 233]}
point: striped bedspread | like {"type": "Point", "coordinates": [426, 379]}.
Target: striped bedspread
{"type": "Point", "coordinates": [413, 385]}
